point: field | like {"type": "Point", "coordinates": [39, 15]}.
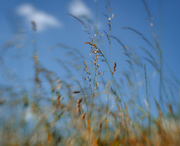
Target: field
{"type": "Point", "coordinates": [107, 97]}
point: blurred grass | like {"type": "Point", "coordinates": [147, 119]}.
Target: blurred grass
{"type": "Point", "coordinates": [100, 108]}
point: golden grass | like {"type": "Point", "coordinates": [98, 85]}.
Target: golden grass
{"type": "Point", "coordinates": [93, 113]}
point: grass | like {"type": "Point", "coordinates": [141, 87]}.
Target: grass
{"type": "Point", "coordinates": [100, 108]}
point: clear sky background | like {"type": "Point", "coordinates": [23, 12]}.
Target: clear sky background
{"type": "Point", "coordinates": [55, 26]}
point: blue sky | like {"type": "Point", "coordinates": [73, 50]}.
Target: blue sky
{"type": "Point", "coordinates": [55, 26]}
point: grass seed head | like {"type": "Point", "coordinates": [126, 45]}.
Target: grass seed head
{"type": "Point", "coordinates": [79, 101]}
{"type": "Point", "coordinates": [83, 116]}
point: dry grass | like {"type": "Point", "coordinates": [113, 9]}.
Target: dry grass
{"type": "Point", "coordinates": [96, 110]}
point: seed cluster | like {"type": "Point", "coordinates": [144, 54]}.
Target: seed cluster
{"type": "Point", "coordinates": [78, 106]}
{"type": "Point", "coordinates": [114, 68]}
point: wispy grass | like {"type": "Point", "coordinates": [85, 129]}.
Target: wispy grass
{"type": "Point", "coordinates": [107, 106]}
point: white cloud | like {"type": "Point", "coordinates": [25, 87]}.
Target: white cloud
{"type": "Point", "coordinates": [78, 8]}
{"type": "Point", "coordinates": [42, 19]}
